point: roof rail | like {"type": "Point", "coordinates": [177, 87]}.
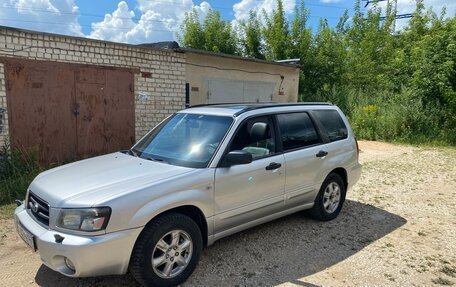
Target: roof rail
{"type": "Point", "coordinates": [227, 104]}
{"type": "Point", "coordinates": [263, 105]}
{"type": "Point", "coordinates": [257, 107]}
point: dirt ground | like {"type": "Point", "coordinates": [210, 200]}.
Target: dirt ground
{"type": "Point", "coordinates": [397, 228]}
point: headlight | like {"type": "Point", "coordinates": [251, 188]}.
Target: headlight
{"type": "Point", "coordinates": [86, 219]}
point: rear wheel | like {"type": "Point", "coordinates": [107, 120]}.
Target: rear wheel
{"type": "Point", "coordinates": [330, 198]}
{"type": "Point", "coordinates": [167, 251]}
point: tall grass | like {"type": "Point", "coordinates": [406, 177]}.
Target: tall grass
{"type": "Point", "coordinates": [17, 170]}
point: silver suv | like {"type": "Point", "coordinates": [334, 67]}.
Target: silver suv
{"type": "Point", "coordinates": [202, 174]}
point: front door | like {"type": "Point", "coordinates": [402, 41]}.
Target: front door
{"type": "Point", "coordinates": [244, 193]}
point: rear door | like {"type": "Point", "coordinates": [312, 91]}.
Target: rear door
{"type": "Point", "coordinates": [301, 144]}
{"type": "Point", "coordinates": [341, 149]}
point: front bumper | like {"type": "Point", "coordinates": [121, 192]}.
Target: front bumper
{"type": "Point", "coordinates": [107, 254]}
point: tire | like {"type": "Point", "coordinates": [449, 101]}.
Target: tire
{"type": "Point", "coordinates": [324, 208]}
{"type": "Point", "coordinates": [176, 230]}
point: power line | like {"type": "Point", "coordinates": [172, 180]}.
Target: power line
{"type": "Point", "coordinates": [399, 16]}
{"type": "Point", "coordinates": [70, 24]}
{"type": "Point", "coordinates": [231, 8]}
{"type": "Point", "coordinates": [396, 16]}
{"type": "Point", "coordinates": [76, 14]}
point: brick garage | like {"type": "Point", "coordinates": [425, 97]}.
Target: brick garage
{"type": "Point", "coordinates": [158, 75]}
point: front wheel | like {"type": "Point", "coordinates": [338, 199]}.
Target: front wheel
{"type": "Point", "coordinates": [167, 251]}
{"type": "Point", "coordinates": [330, 198]}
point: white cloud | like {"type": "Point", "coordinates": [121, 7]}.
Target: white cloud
{"type": "Point", "coordinates": [22, 6]}
{"type": "Point", "coordinates": [242, 9]}
{"type": "Point", "coordinates": [159, 21]}
{"type": "Point", "coordinates": [114, 26]}
{"type": "Point", "coordinates": [54, 16]}
{"type": "Point", "coordinates": [167, 8]}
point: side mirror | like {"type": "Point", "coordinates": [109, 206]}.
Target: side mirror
{"type": "Point", "coordinates": [236, 157]}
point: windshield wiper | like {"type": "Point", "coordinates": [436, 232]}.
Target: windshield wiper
{"type": "Point", "coordinates": [132, 152]}
{"type": "Point", "coordinates": [157, 159]}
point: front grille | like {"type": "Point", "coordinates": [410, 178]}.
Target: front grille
{"type": "Point", "coordinates": [39, 208]}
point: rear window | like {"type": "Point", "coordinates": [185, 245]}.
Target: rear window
{"type": "Point", "coordinates": [333, 124]}
{"type": "Point", "coordinates": [297, 131]}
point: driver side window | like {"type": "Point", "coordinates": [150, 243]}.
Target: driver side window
{"type": "Point", "coordinates": [256, 136]}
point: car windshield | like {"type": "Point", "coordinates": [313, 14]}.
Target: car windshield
{"type": "Point", "coordinates": [188, 140]}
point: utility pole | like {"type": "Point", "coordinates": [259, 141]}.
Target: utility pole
{"type": "Point", "coordinates": [398, 16]}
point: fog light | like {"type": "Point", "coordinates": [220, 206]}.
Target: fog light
{"type": "Point", "coordinates": [69, 264]}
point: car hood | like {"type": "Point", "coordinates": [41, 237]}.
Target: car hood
{"type": "Point", "coordinates": [84, 183]}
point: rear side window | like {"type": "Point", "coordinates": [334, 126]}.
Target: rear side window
{"type": "Point", "coordinates": [297, 131]}
{"type": "Point", "coordinates": [333, 124]}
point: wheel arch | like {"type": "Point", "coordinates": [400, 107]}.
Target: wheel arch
{"type": "Point", "coordinates": [193, 213]}
{"type": "Point", "coordinates": [342, 173]}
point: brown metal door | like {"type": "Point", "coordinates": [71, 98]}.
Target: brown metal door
{"type": "Point", "coordinates": [40, 99]}
{"type": "Point", "coordinates": [119, 104]}
{"type": "Point", "coordinates": [106, 120]}
{"type": "Point", "coordinates": [68, 111]}
{"type": "Point", "coordinates": [90, 98]}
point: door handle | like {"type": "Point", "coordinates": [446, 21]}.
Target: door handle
{"type": "Point", "coordinates": [273, 165]}
{"type": "Point", "coordinates": [321, 153]}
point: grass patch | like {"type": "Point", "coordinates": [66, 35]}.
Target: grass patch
{"type": "Point", "coordinates": [442, 281]}
{"type": "Point", "coordinates": [17, 170]}
{"type": "Point", "coordinates": [7, 211]}
{"type": "Point", "coordinates": [390, 277]}
{"type": "Point", "coordinates": [450, 271]}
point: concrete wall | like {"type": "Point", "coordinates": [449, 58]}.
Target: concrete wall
{"type": "Point", "coordinates": [242, 70]}
{"type": "Point", "coordinates": [159, 83]}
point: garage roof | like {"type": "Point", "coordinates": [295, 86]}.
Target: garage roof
{"type": "Point", "coordinates": [284, 63]}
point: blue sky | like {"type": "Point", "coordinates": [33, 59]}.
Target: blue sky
{"type": "Point", "coordinates": [140, 21]}
{"type": "Point", "coordinates": [332, 10]}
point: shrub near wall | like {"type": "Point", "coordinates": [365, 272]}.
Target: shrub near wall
{"type": "Point", "coordinates": [17, 170]}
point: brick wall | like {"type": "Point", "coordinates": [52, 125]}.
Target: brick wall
{"type": "Point", "coordinates": [159, 87]}
{"type": "Point", "coordinates": [3, 110]}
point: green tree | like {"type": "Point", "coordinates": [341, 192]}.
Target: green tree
{"type": "Point", "coordinates": [251, 37]}
{"type": "Point", "coordinates": [192, 31]}
{"type": "Point", "coordinates": [300, 34]}
{"type": "Point", "coordinates": [276, 33]}
{"type": "Point", "coordinates": [218, 35]}
{"type": "Point", "coordinates": [213, 34]}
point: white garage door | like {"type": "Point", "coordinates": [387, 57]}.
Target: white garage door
{"type": "Point", "coordinates": [231, 91]}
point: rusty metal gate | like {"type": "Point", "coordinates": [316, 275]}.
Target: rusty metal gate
{"type": "Point", "coordinates": [68, 111]}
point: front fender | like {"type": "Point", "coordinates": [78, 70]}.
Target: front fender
{"type": "Point", "coordinates": [194, 197]}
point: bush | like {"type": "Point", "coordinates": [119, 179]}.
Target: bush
{"type": "Point", "coordinates": [17, 170]}
{"type": "Point", "coordinates": [392, 116]}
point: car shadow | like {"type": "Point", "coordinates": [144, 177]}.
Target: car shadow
{"type": "Point", "coordinates": [283, 250]}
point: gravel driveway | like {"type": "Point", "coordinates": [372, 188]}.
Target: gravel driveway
{"type": "Point", "coordinates": [397, 228]}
